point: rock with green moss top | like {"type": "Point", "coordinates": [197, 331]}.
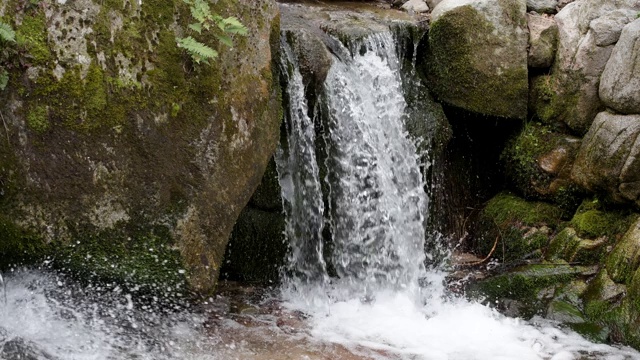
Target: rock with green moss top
{"type": "Point", "coordinates": [567, 245]}
{"type": "Point", "coordinates": [624, 260]}
{"type": "Point", "coordinates": [113, 132]}
{"type": "Point", "coordinates": [609, 158]}
{"type": "Point", "coordinates": [532, 286]}
{"type": "Point", "coordinates": [538, 162]}
{"type": "Point", "coordinates": [611, 305]}
{"type": "Point", "coordinates": [521, 227]}
{"type": "Point", "coordinates": [594, 222]}
{"type": "Point", "coordinates": [587, 32]}
{"type": "Point", "coordinates": [478, 56]}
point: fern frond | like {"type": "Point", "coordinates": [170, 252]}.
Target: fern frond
{"type": "Point", "coordinates": [200, 11]}
{"type": "Point", "coordinates": [234, 26]}
{"type": "Point", "coordinates": [197, 50]}
{"type": "Point", "coordinates": [197, 27]}
{"type": "Point", "coordinates": [7, 33]}
{"type": "Point", "coordinates": [225, 40]}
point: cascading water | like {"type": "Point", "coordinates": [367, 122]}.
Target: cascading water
{"type": "Point", "coordinates": [382, 298]}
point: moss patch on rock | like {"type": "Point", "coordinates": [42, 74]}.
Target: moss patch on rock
{"type": "Point", "coordinates": [521, 227]}
{"type": "Point", "coordinates": [466, 72]}
{"type": "Point", "coordinates": [533, 286]}
{"type": "Point", "coordinates": [538, 161]}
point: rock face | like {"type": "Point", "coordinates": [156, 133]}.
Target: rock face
{"type": "Point", "coordinates": [543, 40]}
{"type": "Point", "coordinates": [587, 32]}
{"type": "Point", "coordinates": [620, 82]}
{"type": "Point", "coordinates": [609, 158]}
{"type": "Point", "coordinates": [118, 143]}
{"type": "Point", "coordinates": [478, 57]}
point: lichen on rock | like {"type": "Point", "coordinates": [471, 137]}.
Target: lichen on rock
{"type": "Point", "coordinates": [114, 130]}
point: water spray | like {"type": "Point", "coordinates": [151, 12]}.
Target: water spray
{"type": "Point", "coordinates": [4, 289]}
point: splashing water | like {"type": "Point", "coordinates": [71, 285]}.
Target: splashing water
{"type": "Point", "coordinates": [382, 297]}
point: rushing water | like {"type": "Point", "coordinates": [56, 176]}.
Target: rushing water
{"type": "Point", "coordinates": [370, 297]}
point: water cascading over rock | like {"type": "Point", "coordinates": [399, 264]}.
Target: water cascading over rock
{"type": "Point", "coordinates": [376, 200]}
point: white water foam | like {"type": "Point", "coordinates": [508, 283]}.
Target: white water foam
{"type": "Point", "coordinates": [383, 298]}
{"type": "Point", "coordinates": [59, 319]}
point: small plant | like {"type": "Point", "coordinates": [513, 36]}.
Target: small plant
{"type": "Point", "coordinates": [207, 22]}
{"type": "Point", "coordinates": [7, 35]}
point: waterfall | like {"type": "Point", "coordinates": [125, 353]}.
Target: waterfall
{"type": "Point", "coordinates": [375, 191]}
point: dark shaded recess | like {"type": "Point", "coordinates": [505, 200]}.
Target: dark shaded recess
{"type": "Point", "coordinates": [469, 173]}
{"type": "Point", "coordinates": [256, 249]}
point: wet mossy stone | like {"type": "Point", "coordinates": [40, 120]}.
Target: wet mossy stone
{"type": "Point", "coordinates": [538, 163]}
{"type": "Point", "coordinates": [477, 57]}
{"type": "Point", "coordinates": [531, 285]}
{"type": "Point", "coordinates": [624, 260]}
{"type": "Point", "coordinates": [520, 226]}
{"type": "Point", "coordinates": [111, 127]}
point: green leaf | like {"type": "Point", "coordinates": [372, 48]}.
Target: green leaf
{"type": "Point", "coordinates": [197, 27]}
{"type": "Point", "coordinates": [197, 50]}
{"type": "Point", "coordinates": [4, 79]}
{"type": "Point", "coordinates": [234, 26]}
{"type": "Point", "coordinates": [225, 40]}
{"type": "Point", "coordinates": [200, 11]}
{"type": "Point", "coordinates": [7, 33]}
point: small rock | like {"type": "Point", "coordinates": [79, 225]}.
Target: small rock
{"type": "Point", "coordinates": [433, 3]}
{"type": "Point", "coordinates": [417, 6]}
{"type": "Point", "coordinates": [543, 40]}
{"type": "Point", "coordinates": [19, 349]}
{"type": "Point", "coordinates": [542, 6]}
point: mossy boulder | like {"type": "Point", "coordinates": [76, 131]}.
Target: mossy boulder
{"type": "Point", "coordinates": [538, 161]}
{"type": "Point", "coordinates": [531, 286]}
{"type": "Point", "coordinates": [521, 227]}
{"type": "Point", "coordinates": [116, 143]}
{"type": "Point", "coordinates": [477, 58]}
{"type": "Point", "coordinates": [624, 260]}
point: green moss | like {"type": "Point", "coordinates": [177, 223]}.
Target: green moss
{"type": "Point", "coordinates": [525, 284]}
{"type": "Point", "coordinates": [32, 36]}
{"type": "Point", "coordinates": [452, 67]}
{"type": "Point", "coordinates": [521, 226]}
{"type": "Point", "coordinates": [38, 119]}
{"type": "Point", "coordinates": [142, 259]}
{"type": "Point", "coordinates": [18, 246]}
{"type": "Point", "coordinates": [506, 207]}
{"type": "Point", "coordinates": [591, 222]}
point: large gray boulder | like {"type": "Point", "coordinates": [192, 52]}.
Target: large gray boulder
{"type": "Point", "coordinates": [609, 158]}
{"type": "Point", "coordinates": [123, 157]}
{"type": "Point", "coordinates": [478, 56]}
{"type": "Point", "coordinates": [620, 82]}
{"type": "Point", "coordinates": [543, 40]}
{"type": "Point", "coordinates": [587, 32]}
